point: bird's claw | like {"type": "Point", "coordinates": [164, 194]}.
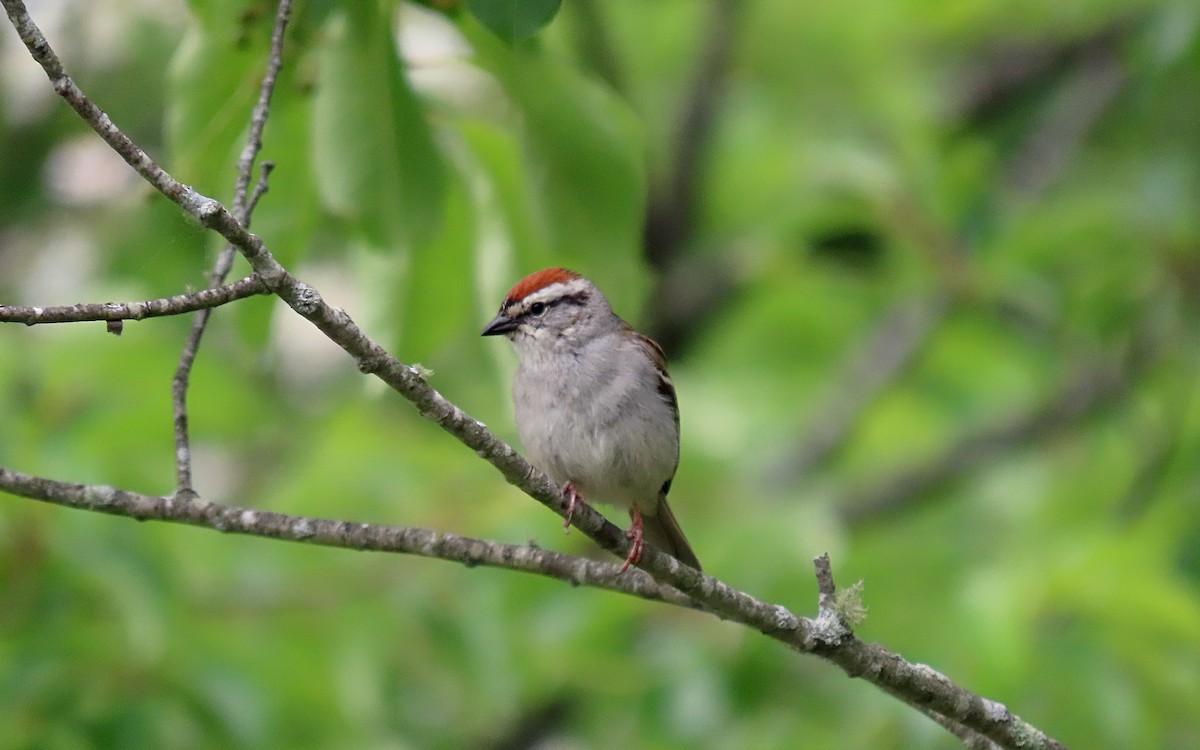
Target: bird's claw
{"type": "Point", "coordinates": [634, 535]}
{"type": "Point", "coordinates": [573, 497]}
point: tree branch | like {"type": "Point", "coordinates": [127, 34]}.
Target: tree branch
{"type": "Point", "coordinates": [230, 519]}
{"type": "Point", "coordinates": [152, 308]}
{"type": "Point", "coordinates": [971, 739]}
{"type": "Point", "coordinates": [831, 627]}
{"type": "Point", "coordinates": [687, 294]}
{"type": "Point", "coordinates": [260, 187]}
{"type": "Point", "coordinates": [914, 683]}
{"type": "Point", "coordinates": [241, 210]}
{"type": "Point", "coordinates": [258, 118]}
{"type": "Point", "coordinates": [671, 217]}
{"type": "Point", "coordinates": [827, 636]}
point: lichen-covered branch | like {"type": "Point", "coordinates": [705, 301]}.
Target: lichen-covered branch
{"type": "Point", "coordinates": [229, 519]}
{"type": "Point", "coordinates": [918, 685]}
{"type": "Point", "coordinates": [152, 308]}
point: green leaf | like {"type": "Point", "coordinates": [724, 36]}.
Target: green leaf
{"type": "Point", "coordinates": [497, 155]}
{"type": "Point", "coordinates": [374, 155]}
{"type": "Point", "coordinates": [213, 84]}
{"type": "Point", "coordinates": [582, 149]}
{"type": "Point", "coordinates": [432, 312]}
{"type": "Point", "coordinates": [514, 20]}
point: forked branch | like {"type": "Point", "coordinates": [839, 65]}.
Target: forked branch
{"type": "Point", "coordinates": [243, 207]}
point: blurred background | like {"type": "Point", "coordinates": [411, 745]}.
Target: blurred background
{"type": "Point", "coordinates": [926, 274]}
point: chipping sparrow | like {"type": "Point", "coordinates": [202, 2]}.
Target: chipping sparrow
{"type": "Point", "coordinates": [595, 408]}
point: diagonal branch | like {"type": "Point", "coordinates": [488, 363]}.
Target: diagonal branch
{"type": "Point", "coordinates": [151, 308]}
{"type": "Point", "coordinates": [915, 684]}
{"type": "Point", "coordinates": [1090, 387]}
{"type": "Point", "coordinates": [1095, 76]}
{"type": "Point", "coordinates": [870, 367]}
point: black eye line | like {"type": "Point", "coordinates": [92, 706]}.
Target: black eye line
{"type": "Point", "coordinates": [540, 307]}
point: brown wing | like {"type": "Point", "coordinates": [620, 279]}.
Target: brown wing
{"type": "Point", "coordinates": [666, 389]}
{"type": "Point", "coordinates": [661, 529]}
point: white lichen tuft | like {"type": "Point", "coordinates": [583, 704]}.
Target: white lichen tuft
{"type": "Point", "coordinates": [850, 606]}
{"type": "Point", "coordinates": [995, 710]}
{"type": "Point", "coordinates": [302, 529]}
{"type": "Point", "coordinates": [100, 495]}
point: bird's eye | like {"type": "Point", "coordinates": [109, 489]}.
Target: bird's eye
{"type": "Point", "coordinates": [537, 308]}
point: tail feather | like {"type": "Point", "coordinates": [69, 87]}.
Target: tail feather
{"type": "Point", "coordinates": [662, 530]}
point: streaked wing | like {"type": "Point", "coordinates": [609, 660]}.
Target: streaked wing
{"type": "Point", "coordinates": [666, 387]}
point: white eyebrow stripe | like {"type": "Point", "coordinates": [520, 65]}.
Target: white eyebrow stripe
{"type": "Point", "coordinates": [554, 292]}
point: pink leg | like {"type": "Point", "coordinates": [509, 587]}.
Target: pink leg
{"type": "Point", "coordinates": [573, 497]}
{"type": "Point", "coordinates": [635, 536]}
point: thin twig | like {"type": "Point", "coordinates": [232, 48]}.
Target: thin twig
{"type": "Point", "coordinates": [830, 629]}
{"type": "Point", "coordinates": [179, 414]}
{"type": "Point", "coordinates": [1094, 81]}
{"type": "Point", "coordinates": [262, 110]}
{"type": "Point", "coordinates": [151, 308]}
{"type": "Point", "coordinates": [241, 212]}
{"type": "Point", "coordinates": [826, 590]}
{"type": "Point", "coordinates": [260, 188]}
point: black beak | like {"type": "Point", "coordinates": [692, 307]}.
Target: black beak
{"type": "Point", "coordinates": [500, 324]}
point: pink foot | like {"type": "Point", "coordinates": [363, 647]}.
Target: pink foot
{"type": "Point", "coordinates": [573, 497]}
{"type": "Point", "coordinates": [635, 536]}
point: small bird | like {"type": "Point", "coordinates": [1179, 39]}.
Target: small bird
{"type": "Point", "coordinates": [594, 406]}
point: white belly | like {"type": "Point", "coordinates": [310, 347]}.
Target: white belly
{"type": "Point", "coordinates": [611, 435]}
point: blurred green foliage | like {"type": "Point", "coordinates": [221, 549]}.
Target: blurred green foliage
{"type": "Point", "coordinates": [927, 274]}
